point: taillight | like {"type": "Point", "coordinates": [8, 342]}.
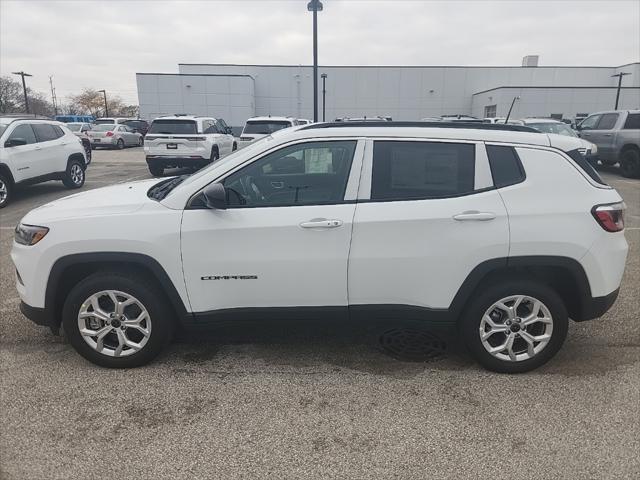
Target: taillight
{"type": "Point", "coordinates": [611, 216]}
{"type": "Point", "coordinates": [109, 133]}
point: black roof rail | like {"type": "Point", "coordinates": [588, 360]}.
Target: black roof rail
{"type": "Point", "coordinates": [467, 125]}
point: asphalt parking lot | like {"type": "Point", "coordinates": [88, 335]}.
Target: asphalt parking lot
{"type": "Point", "coordinates": [303, 403]}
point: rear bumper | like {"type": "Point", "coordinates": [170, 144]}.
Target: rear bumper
{"type": "Point", "coordinates": [595, 307]}
{"type": "Point", "coordinates": [176, 161]}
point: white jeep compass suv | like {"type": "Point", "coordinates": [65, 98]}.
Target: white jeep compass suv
{"type": "Point", "coordinates": [34, 150]}
{"type": "Point", "coordinates": [186, 141]}
{"type": "Point", "coordinates": [489, 228]}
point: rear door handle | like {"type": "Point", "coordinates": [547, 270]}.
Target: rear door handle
{"type": "Point", "coordinates": [474, 215]}
{"type": "Point", "coordinates": [608, 135]}
{"type": "Point", "coordinates": [321, 223]}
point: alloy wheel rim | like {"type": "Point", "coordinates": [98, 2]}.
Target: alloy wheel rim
{"type": "Point", "coordinates": [114, 323]}
{"type": "Point", "coordinates": [76, 174]}
{"type": "Point", "coordinates": [3, 192]}
{"type": "Point", "coordinates": [516, 328]}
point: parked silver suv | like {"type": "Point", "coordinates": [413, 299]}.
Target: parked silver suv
{"type": "Point", "coordinates": [617, 135]}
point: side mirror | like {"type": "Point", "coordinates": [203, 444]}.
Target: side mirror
{"type": "Point", "coordinates": [215, 196]}
{"type": "Point", "coordinates": [15, 142]}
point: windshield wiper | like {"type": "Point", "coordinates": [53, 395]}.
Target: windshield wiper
{"type": "Point", "coordinates": [162, 189]}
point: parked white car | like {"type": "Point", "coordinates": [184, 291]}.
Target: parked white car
{"type": "Point", "coordinates": [186, 141]}
{"type": "Point", "coordinates": [81, 130]}
{"type": "Point", "coordinates": [491, 229]}
{"type": "Point", "coordinates": [34, 150]}
{"type": "Point", "coordinates": [260, 127]}
{"type": "Point", "coordinates": [111, 120]}
{"type": "Point", "coordinates": [554, 127]}
{"type": "Point", "coordinates": [114, 136]}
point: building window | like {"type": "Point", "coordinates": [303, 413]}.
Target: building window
{"type": "Point", "coordinates": [490, 111]}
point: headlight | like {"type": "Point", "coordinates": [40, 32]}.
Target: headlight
{"type": "Point", "coordinates": [29, 234]}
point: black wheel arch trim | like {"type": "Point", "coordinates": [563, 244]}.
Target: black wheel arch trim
{"type": "Point", "coordinates": [53, 313]}
{"type": "Point", "coordinates": [4, 168]}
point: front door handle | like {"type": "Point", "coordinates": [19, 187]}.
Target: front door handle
{"type": "Point", "coordinates": [474, 215]}
{"type": "Point", "coordinates": [321, 223]}
{"type": "Point", "coordinates": [608, 135]}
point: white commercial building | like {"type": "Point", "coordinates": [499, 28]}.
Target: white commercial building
{"type": "Point", "coordinates": [237, 92]}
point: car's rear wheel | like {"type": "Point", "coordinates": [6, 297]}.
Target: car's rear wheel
{"type": "Point", "coordinates": [74, 176]}
{"type": "Point", "coordinates": [5, 191]}
{"type": "Point", "coordinates": [515, 326]}
{"type": "Point", "coordinates": [156, 170]}
{"type": "Point", "coordinates": [215, 155]}
{"type": "Point", "coordinates": [117, 320]}
{"type": "Point", "coordinates": [120, 144]}
{"type": "Point", "coordinates": [630, 164]}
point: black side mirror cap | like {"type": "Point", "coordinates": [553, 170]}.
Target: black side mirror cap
{"type": "Point", "coordinates": [15, 142]}
{"type": "Point", "coordinates": [215, 196]}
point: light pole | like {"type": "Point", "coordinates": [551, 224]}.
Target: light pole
{"type": "Point", "coordinates": [315, 6]}
{"type": "Point", "coordinates": [106, 109]}
{"type": "Point", "coordinates": [324, 94]}
{"type": "Point", "coordinates": [511, 108]}
{"type": "Point", "coordinates": [619, 75]}
{"type": "Point", "coordinates": [24, 88]}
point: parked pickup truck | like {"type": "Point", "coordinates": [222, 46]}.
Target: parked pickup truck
{"type": "Point", "coordinates": [617, 135]}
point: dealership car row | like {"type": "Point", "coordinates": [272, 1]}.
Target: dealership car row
{"type": "Point", "coordinates": [34, 149]}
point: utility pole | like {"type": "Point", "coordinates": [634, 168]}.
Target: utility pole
{"type": "Point", "coordinates": [315, 6]}
{"type": "Point", "coordinates": [53, 95]}
{"type": "Point", "coordinates": [24, 89]}
{"type": "Point", "coordinates": [324, 94]}
{"type": "Point", "coordinates": [619, 75]}
{"type": "Point", "coordinates": [106, 108]}
{"type": "Point", "coordinates": [511, 108]}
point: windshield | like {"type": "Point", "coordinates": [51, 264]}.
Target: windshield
{"type": "Point", "coordinates": [104, 121]}
{"type": "Point", "coordinates": [174, 127]}
{"type": "Point", "coordinates": [2, 129]}
{"type": "Point", "coordinates": [74, 127]}
{"type": "Point", "coordinates": [103, 128]}
{"type": "Point", "coordinates": [265, 127]}
{"type": "Point", "coordinates": [557, 128]}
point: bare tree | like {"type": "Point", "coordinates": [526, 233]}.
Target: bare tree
{"type": "Point", "coordinates": [11, 97]}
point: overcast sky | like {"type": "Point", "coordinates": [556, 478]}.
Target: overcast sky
{"type": "Point", "coordinates": [102, 44]}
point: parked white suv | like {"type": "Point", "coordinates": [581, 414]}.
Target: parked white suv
{"type": "Point", "coordinates": [491, 229]}
{"type": "Point", "coordinates": [186, 141]}
{"type": "Point", "coordinates": [259, 127]}
{"type": "Point", "coordinates": [36, 150]}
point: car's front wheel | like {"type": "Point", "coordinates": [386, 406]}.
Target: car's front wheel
{"type": "Point", "coordinates": [74, 176]}
{"type": "Point", "coordinates": [5, 191]}
{"type": "Point", "coordinates": [630, 164]}
{"type": "Point", "coordinates": [515, 326]}
{"type": "Point", "coordinates": [117, 320]}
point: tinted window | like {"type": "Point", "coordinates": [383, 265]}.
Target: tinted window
{"type": "Point", "coordinates": [414, 170]}
{"type": "Point", "coordinates": [632, 122]}
{"type": "Point", "coordinates": [44, 132]}
{"type": "Point", "coordinates": [59, 132]}
{"type": "Point", "coordinates": [104, 121]}
{"type": "Point", "coordinates": [265, 127]}
{"type": "Point", "coordinates": [608, 121]}
{"type": "Point", "coordinates": [104, 128]}
{"type": "Point", "coordinates": [584, 164]}
{"type": "Point", "coordinates": [506, 168]}
{"type": "Point", "coordinates": [174, 127]}
{"type": "Point", "coordinates": [23, 132]}
{"type": "Point", "coordinates": [305, 174]}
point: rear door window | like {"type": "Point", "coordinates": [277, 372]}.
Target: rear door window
{"type": "Point", "coordinates": [174, 127]}
{"type": "Point", "coordinates": [44, 132]}
{"type": "Point", "coordinates": [412, 170]}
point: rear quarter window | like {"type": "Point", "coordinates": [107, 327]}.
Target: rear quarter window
{"type": "Point", "coordinates": [506, 167]}
{"type": "Point", "coordinates": [632, 122]}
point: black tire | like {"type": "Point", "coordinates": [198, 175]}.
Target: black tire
{"type": "Point", "coordinates": [471, 321]}
{"type": "Point", "coordinates": [630, 164]}
{"type": "Point", "coordinates": [215, 155]}
{"type": "Point", "coordinates": [156, 170]}
{"type": "Point", "coordinates": [6, 190]}
{"type": "Point", "coordinates": [120, 144]}
{"type": "Point", "coordinates": [75, 175]}
{"type": "Point", "coordinates": [132, 284]}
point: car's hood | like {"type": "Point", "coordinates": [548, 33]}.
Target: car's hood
{"type": "Point", "coordinates": [564, 142]}
{"type": "Point", "coordinates": [113, 200]}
